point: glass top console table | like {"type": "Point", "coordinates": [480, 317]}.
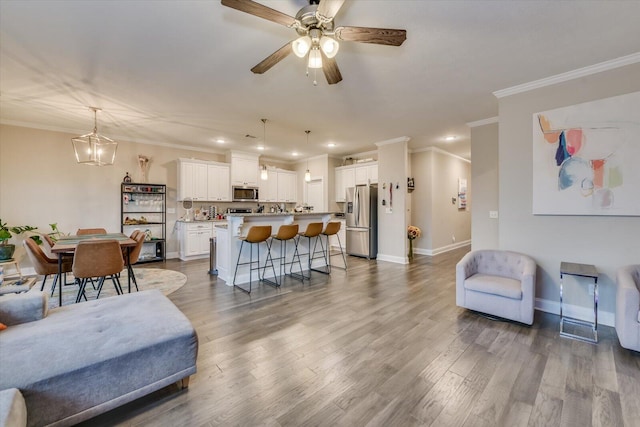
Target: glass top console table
{"type": "Point", "coordinates": [590, 272]}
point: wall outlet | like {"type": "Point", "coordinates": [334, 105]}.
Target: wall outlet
{"type": "Point", "coordinates": [388, 210]}
{"type": "Point", "coordinates": [493, 214]}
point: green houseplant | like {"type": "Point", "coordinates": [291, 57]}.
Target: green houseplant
{"type": "Point", "coordinates": [7, 249]}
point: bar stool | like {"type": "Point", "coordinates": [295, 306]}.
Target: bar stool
{"type": "Point", "coordinates": [332, 229]}
{"type": "Point", "coordinates": [285, 234]}
{"type": "Point", "coordinates": [256, 235]}
{"type": "Point", "coordinates": [313, 230]}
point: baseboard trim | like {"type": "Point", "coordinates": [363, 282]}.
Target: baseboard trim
{"type": "Point", "coordinates": [575, 311]}
{"type": "Point", "coordinates": [443, 249]}
{"type": "Point", "coordinates": [172, 255]}
{"type": "Point", "coordinates": [393, 258]}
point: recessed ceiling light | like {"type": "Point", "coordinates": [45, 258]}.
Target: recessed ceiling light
{"type": "Point", "coordinates": [260, 147]}
{"type": "Point", "coordinates": [294, 154]}
{"type": "Point", "coordinates": [331, 145]}
{"type": "Point", "coordinates": [220, 141]}
{"type": "Point", "coordinates": [450, 138]}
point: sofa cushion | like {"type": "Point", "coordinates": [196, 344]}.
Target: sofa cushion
{"type": "Point", "coordinates": [495, 285]}
{"type": "Point", "coordinates": [23, 308]}
{"type": "Point", "coordinates": [86, 358]}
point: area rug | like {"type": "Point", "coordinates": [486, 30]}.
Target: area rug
{"type": "Point", "coordinates": [167, 281]}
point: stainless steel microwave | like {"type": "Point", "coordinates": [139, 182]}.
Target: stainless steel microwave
{"type": "Point", "coordinates": [245, 194]}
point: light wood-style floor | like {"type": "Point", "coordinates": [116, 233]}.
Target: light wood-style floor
{"type": "Point", "coordinates": [381, 345]}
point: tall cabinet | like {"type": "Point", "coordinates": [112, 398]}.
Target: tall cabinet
{"type": "Point", "coordinates": [143, 207]}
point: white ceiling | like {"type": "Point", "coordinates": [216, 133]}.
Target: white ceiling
{"type": "Point", "coordinates": [177, 72]}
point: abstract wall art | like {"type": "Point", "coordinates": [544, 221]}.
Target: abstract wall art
{"type": "Point", "coordinates": [586, 158]}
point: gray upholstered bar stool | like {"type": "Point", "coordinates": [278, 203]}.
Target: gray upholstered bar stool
{"type": "Point", "coordinates": [285, 234]}
{"type": "Point", "coordinates": [256, 235]}
{"type": "Point", "coordinates": [332, 229]}
{"type": "Point", "coordinates": [313, 231]}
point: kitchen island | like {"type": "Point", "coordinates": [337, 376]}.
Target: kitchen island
{"type": "Point", "coordinates": [229, 239]}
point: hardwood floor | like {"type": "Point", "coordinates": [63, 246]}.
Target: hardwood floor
{"type": "Point", "coordinates": [381, 345]}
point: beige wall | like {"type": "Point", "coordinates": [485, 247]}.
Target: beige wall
{"type": "Point", "coordinates": [605, 241]}
{"type": "Point", "coordinates": [436, 179]}
{"type": "Point", "coordinates": [41, 183]}
{"type": "Point", "coordinates": [484, 176]}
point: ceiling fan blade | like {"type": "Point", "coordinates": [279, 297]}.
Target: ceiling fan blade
{"type": "Point", "coordinates": [327, 9]}
{"type": "Point", "coordinates": [272, 59]}
{"type": "Point", "coordinates": [261, 11]}
{"type": "Point", "coordinates": [385, 36]}
{"type": "Point", "coordinates": [331, 70]}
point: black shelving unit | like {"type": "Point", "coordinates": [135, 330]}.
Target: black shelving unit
{"type": "Point", "coordinates": [144, 207]}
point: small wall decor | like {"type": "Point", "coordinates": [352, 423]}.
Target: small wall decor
{"type": "Point", "coordinates": [586, 158]}
{"type": "Point", "coordinates": [410, 185]}
{"type": "Point", "coordinates": [462, 193]}
{"type": "Point", "coordinates": [143, 164]}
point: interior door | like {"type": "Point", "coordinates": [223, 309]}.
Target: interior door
{"type": "Point", "coordinates": [315, 195]}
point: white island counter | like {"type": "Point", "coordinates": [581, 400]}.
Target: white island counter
{"type": "Point", "coordinates": [228, 240]}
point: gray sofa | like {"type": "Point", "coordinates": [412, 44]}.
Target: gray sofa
{"type": "Point", "coordinates": [75, 362]}
{"type": "Point", "coordinates": [499, 283]}
{"type": "Point", "coordinates": [628, 306]}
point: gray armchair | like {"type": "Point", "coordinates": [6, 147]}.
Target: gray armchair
{"type": "Point", "coordinates": [499, 283]}
{"type": "Point", "coordinates": [628, 306]}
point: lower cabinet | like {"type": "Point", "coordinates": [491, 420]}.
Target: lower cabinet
{"type": "Point", "coordinates": [194, 239]}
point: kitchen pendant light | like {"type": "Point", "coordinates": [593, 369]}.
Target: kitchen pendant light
{"type": "Point", "coordinates": [307, 174]}
{"type": "Point", "coordinates": [264, 174]}
{"type": "Point", "coordinates": [93, 148]}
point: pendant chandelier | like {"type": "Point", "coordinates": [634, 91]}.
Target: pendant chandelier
{"type": "Point", "coordinates": [93, 148]}
{"type": "Point", "coordinates": [307, 174]}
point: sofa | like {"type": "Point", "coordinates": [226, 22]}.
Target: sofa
{"type": "Point", "coordinates": [72, 363]}
{"type": "Point", "coordinates": [628, 306]}
{"type": "Point", "coordinates": [499, 283]}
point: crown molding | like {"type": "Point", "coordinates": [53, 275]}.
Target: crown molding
{"type": "Point", "coordinates": [570, 75]}
{"type": "Point", "coordinates": [393, 141]}
{"type": "Point", "coordinates": [489, 121]}
{"type": "Point", "coordinates": [440, 151]}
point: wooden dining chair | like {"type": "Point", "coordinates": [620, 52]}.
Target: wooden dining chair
{"type": "Point", "coordinates": [45, 265]}
{"type": "Point", "coordinates": [82, 231]}
{"type": "Point", "coordinates": [98, 258]}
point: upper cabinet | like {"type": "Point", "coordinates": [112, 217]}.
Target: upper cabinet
{"type": "Point", "coordinates": [352, 175]}
{"type": "Point", "coordinates": [202, 180]}
{"type": "Point", "coordinates": [269, 187]}
{"type": "Point", "coordinates": [279, 187]}
{"type": "Point", "coordinates": [244, 168]}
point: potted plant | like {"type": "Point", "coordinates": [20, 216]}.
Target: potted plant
{"type": "Point", "coordinates": [7, 249]}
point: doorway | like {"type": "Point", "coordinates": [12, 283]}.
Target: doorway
{"type": "Point", "coordinates": [314, 196]}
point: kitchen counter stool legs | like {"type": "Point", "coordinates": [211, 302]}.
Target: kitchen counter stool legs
{"type": "Point", "coordinates": [256, 235]}
{"type": "Point", "coordinates": [313, 230]}
{"type": "Point", "coordinates": [288, 233]}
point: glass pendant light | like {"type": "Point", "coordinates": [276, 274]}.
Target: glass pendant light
{"type": "Point", "coordinates": [307, 174]}
{"type": "Point", "coordinates": [93, 148]}
{"type": "Point", "coordinates": [329, 46]}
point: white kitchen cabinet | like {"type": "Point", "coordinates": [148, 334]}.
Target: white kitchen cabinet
{"type": "Point", "coordinates": [339, 188]}
{"type": "Point", "coordinates": [192, 180]}
{"type": "Point", "coordinates": [366, 174]}
{"type": "Point", "coordinates": [287, 187]}
{"type": "Point", "coordinates": [372, 173]}
{"type": "Point", "coordinates": [244, 168]}
{"type": "Point", "coordinates": [269, 188]}
{"type": "Point", "coordinates": [218, 188]}
{"type": "Point", "coordinates": [194, 239]}
{"type": "Point", "coordinates": [352, 175]}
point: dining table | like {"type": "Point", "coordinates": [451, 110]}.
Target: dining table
{"type": "Point", "coordinates": [67, 245]}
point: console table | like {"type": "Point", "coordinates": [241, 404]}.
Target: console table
{"type": "Point", "coordinates": [580, 270]}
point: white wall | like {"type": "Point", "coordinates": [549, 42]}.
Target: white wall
{"type": "Point", "coordinates": [607, 242]}
{"type": "Point", "coordinates": [484, 177]}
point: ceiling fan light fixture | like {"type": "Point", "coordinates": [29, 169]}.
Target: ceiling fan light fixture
{"type": "Point", "coordinates": [301, 46]}
{"type": "Point", "coordinates": [315, 58]}
{"type": "Point", "coordinates": [329, 46]}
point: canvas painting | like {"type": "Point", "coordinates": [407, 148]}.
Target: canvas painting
{"type": "Point", "coordinates": [586, 158]}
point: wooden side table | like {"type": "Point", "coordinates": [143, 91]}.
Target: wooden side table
{"type": "Point", "coordinates": [580, 270]}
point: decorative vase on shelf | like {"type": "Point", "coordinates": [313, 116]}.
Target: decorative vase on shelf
{"type": "Point", "coordinates": [143, 163]}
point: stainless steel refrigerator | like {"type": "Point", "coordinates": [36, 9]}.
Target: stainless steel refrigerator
{"type": "Point", "coordinates": [361, 213]}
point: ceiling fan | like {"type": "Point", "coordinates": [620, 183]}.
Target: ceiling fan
{"type": "Point", "coordinates": [317, 34]}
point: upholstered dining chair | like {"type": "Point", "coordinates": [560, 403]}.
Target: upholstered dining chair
{"type": "Point", "coordinates": [45, 265]}
{"type": "Point", "coordinates": [82, 231]}
{"type": "Point", "coordinates": [99, 258]}
{"type": "Point", "coordinates": [134, 255]}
